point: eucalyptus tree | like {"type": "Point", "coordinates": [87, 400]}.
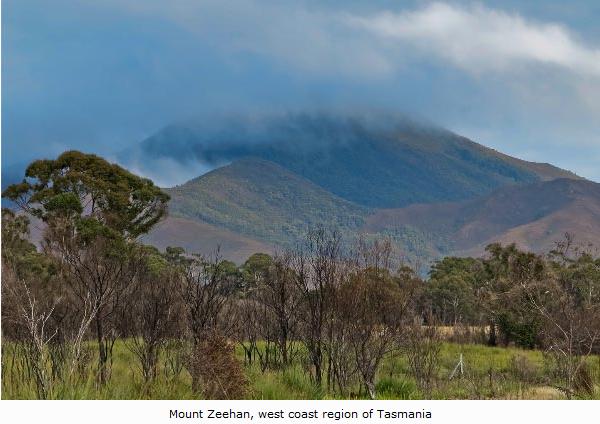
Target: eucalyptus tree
{"type": "Point", "coordinates": [93, 211]}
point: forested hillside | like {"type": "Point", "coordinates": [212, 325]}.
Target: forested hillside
{"type": "Point", "coordinates": [383, 162]}
{"type": "Point", "coordinates": [260, 199]}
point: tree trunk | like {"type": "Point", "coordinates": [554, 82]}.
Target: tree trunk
{"type": "Point", "coordinates": [318, 370]}
{"type": "Point", "coordinates": [370, 386]}
{"type": "Point", "coordinates": [102, 353]}
{"type": "Point", "coordinates": [492, 339]}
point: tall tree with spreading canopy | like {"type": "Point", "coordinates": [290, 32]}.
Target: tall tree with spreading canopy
{"type": "Point", "coordinates": [85, 186]}
{"type": "Point", "coordinates": [93, 211]}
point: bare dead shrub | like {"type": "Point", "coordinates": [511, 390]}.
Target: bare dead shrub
{"type": "Point", "coordinates": [422, 347]}
{"type": "Point", "coordinates": [316, 270]}
{"type": "Point", "coordinates": [216, 373]}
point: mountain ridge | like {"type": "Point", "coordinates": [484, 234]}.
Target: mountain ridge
{"type": "Point", "coordinates": [380, 163]}
{"type": "Point", "coordinates": [266, 203]}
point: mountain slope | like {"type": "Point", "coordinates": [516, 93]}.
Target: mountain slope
{"type": "Point", "coordinates": [260, 199]}
{"type": "Point", "coordinates": [580, 219]}
{"type": "Point", "coordinates": [199, 237]}
{"type": "Point", "coordinates": [374, 162]}
{"type": "Point", "coordinates": [533, 216]}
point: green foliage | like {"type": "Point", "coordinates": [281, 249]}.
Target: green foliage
{"type": "Point", "coordinates": [260, 199]}
{"type": "Point", "coordinates": [15, 230]}
{"type": "Point", "coordinates": [78, 185]}
{"type": "Point", "coordinates": [65, 204]}
{"type": "Point", "coordinates": [463, 268]}
{"type": "Point", "coordinates": [523, 331]}
{"type": "Point", "coordinates": [578, 271]}
{"type": "Point", "coordinates": [506, 270]}
{"type": "Point", "coordinates": [156, 262]}
{"type": "Point", "coordinates": [451, 291]}
{"type": "Point", "coordinates": [258, 263]}
{"type": "Point", "coordinates": [452, 299]}
{"type": "Point", "coordinates": [19, 253]}
{"type": "Point", "coordinates": [89, 228]}
{"type": "Point", "coordinates": [176, 256]}
{"type": "Point", "coordinates": [394, 388]}
{"type": "Point", "coordinates": [255, 269]}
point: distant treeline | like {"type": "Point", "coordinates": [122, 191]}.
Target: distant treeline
{"type": "Point", "coordinates": [340, 312]}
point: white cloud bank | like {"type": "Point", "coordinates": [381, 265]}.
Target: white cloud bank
{"type": "Point", "coordinates": [341, 40]}
{"type": "Point", "coordinates": [482, 39]}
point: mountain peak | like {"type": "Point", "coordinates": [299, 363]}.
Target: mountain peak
{"type": "Point", "coordinates": [371, 160]}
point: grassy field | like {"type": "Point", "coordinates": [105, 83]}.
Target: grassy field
{"type": "Point", "coordinates": [489, 373]}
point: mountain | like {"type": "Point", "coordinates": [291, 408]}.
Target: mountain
{"type": "Point", "coordinates": [375, 162]}
{"type": "Point", "coordinates": [259, 203]}
{"type": "Point", "coordinates": [260, 199]}
{"type": "Point", "coordinates": [534, 216]}
{"type": "Point", "coordinates": [200, 237]}
{"type": "Point", "coordinates": [432, 192]}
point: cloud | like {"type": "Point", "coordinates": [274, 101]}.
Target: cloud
{"type": "Point", "coordinates": [373, 42]}
{"type": "Point", "coordinates": [164, 171]}
{"type": "Point", "coordinates": [101, 76]}
{"type": "Point", "coordinates": [482, 39]}
{"type": "Point", "coordinates": [314, 40]}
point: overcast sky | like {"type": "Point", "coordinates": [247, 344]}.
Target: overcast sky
{"type": "Point", "coordinates": [521, 77]}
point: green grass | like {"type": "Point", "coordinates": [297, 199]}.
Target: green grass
{"type": "Point", "coordinates": [489, 373]}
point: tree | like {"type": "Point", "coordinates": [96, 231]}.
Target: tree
{"type": "Point", "coordinates": [506, 270]}
{"type": "Point", "coordinates": [451, 290]}
{"type": "Point", "coordinates": [35, 311]}
{"type": "Point", "coordinates": [255, 269]}
{"type": "Point", "coordinates": [205, 291]}
{"type": "Point", "coordinates": [422, 347]}
{"type": "Point", "coordinates": [254, 319]}
{"type": "Point", "coordinates": [279, 293]}
{"type": "Point", "coordinates": [82, 185]}
{"type": "Point", "coordinates": [316, 272]}
{"type": "Point", "coordinates": [18, 252]}
{"type": "Point", "coordinates": [374, 304]}
{"type": "Point", "coordinates": [155, 316]}
{"type": "Point", "coordinates": [568, 305]}
{"type": "Point", "coordinates": [93, 211]}
{"type": "Point", "coordinates": [26, 274]}
{"type": "Point", "coordinates": [451, 298]}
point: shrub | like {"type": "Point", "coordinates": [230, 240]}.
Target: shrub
{"type": "Point", "coordinates": [522, 368]}
{"type": "Point", "coordinates": [396, 389]}
{"type": "Point", "coordinates": [215, 371]}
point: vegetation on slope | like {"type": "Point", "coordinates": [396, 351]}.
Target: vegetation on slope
{"type": "Point", "coordinates": [533, 215]}
{"type": "Point", "coordinates": [199, 237]}
{"type": "Point", "coordinates": [376, 162]}
{"type": "Point", "coordinates": [260, 199]}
